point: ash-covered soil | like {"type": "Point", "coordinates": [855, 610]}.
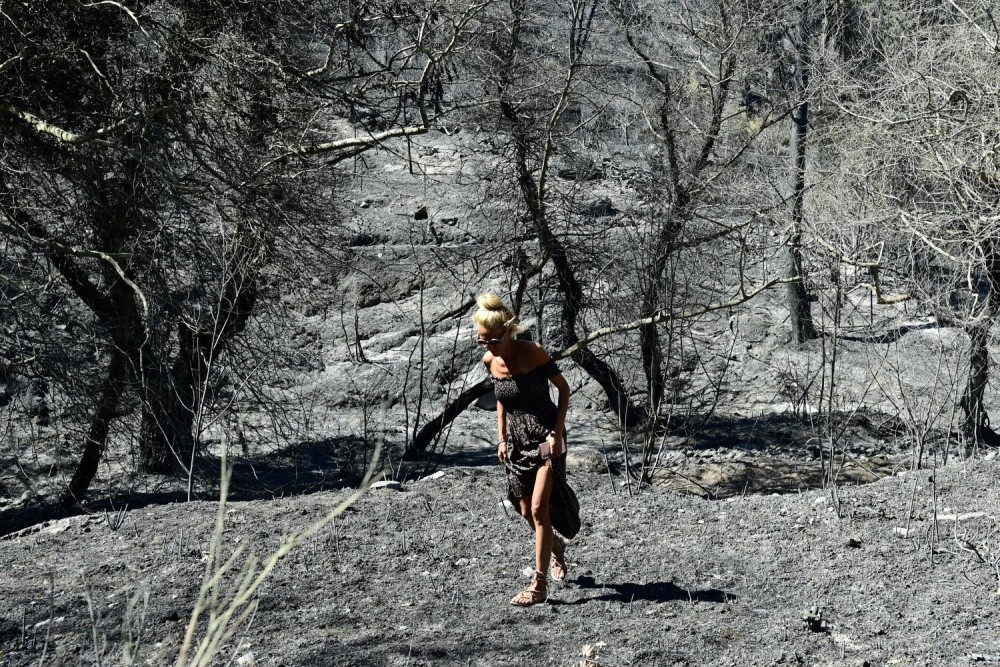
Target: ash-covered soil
{"type": "Point", "coordinates": [903, 571]}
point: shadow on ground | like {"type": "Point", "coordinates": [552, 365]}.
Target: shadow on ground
{"type": "Point", "coordinates": [659, 591]}
{"type": "Point", "coordinates": [306, 467]}
{"type": "Point", "coordinates": [773, 454]}
{"type": "Point", "coordinates": [893, 335]}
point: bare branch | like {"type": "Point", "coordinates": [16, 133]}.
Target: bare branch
{"type": "Point", "coordinates": [338, 28]}
{"type": "Point", "coordinates": [43, 127]}
{"type": "Point", "coordinates": [874, 269]}
{"type": "Point", "coordinates": [876, 288]}
{"type": "Point", "coordinates": [120, 6]}
{"type": "Point", "coordinates": [663, 315]}
{"type": "Point", "coordinates": [98, 70]}
{"type": "Point", "coordinates": [933, 246]}
{"type": "Point", "coordinates": [10, 62]}
{"type": "Point", "coordinates": [52, 246]}
{"type": "Point", "coordinates": [992, 42]}
{"type": "Point", "coordinates": [354, 145]}
{"type": "Point", "coordinates": [364, 143]}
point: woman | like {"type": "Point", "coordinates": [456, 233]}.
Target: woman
{"type": "Point", "coordinates": [527, 418]}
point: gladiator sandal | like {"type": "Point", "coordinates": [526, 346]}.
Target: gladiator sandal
{"type": "Point", "coordinates": [559, 566]}
{"type": "Point", "coordinates": [536, 593]}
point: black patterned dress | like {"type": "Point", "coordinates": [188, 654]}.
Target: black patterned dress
{"type": "Point", "coordinates": [531, 414]}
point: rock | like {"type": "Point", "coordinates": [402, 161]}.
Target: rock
{"type": "Point", "coordinates": [365, 240]}
{"type": "Point", "coordinates": [579, 175]}
{"type": "Point", "coordinates": [601, 208]}
{"type": "Point", "coordinates": [487, 401]}
{"type": "Point", "coordinates": [814, 620]}
{"type": "Point", "coordinates": [386, 484]}
{"type": "Point", "coordinates": [60, 526]}
{"type": "Point", "coordinates": [585, 459]}
{"type": "Point", "coordinates": [434, 475]}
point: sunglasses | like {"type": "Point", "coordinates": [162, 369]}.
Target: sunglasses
{"type": "Point", "coordinates": [483, 342]}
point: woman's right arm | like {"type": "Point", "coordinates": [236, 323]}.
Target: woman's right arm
{"type": "Point", "coordinates": [501, 416]}
{"type": "Point", "coordinates": [502, 432]}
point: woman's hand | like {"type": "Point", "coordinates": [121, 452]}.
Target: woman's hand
{"type": "Point", "coordinates": [502, 451]}
{"type": "Point", "coordinates": [556, 444]}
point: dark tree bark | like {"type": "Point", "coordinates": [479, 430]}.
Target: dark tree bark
{"type": "Point", "coordinates": [168, 441]}
{"type": "Point", "coordinates": [977, 426]}
{"type": "Point", "coordinates": [803, 328]}
{"type": "Point", "coordinates": [114, 386]}
{"type": "Point", "coordinates": [680, 183]}
{"type": "Point", "coordinates": [115, 221]}
{"type": "Point", "coordinates": [652, 299]}
{"type": "Point", "coordinates": [428, 433]}
{"type": "Point", "coordinates": [977, 420]}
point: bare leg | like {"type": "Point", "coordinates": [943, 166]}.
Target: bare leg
{"type": "Point", "coordinates": [558, 547]}
{"type": "Point", "coordinates": [535, 509]}
{"type": "Point", "coordinates": [540, 518]}
{"type": "Point", "coordinates": [525, 510]}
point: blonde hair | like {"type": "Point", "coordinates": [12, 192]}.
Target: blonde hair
{"type": "Point", "coordinates": [493, 313]}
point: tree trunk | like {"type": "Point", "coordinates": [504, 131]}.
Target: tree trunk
{"type": "Point", "coordinates": [679, 182]}
{"type": "Point", "coordinates": [114, 386]}
{"type": "Point", "coordinates": [121, 308]}
{"type": "Point", "coordinates": [167, 435]}
{"type": "Point", "coordinates": [172, 399]}
{"type": "Point", "coordinates": [649, 344]}
{"type": "Point", "coordinates": [649, 335]}
{"type": "Point", "coordinates": [803, 328]}
{"type": "Point", "coordinates": [618, 400]}
{"type": "Point", "coordinates": [977, 420]}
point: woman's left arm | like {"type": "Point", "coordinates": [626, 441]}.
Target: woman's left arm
{"type": "Point", "coordinates": [563, 405]}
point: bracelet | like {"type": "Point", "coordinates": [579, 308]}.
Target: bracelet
{"type": "Point", "coordinates": [502, 442]}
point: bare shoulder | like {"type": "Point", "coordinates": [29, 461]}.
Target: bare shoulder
{"type": "Point", "coordinates": [538, 353]}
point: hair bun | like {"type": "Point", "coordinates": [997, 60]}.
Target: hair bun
{"type": "Point", "coordinates": [490, 301]}
{"type": "Point", "coordinates": [493, 313]}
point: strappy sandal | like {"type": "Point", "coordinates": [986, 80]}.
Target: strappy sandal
{"type": "Point", "coordinates": [559, 566]}
{"type": "Point", "coordinates": [536, 593]}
